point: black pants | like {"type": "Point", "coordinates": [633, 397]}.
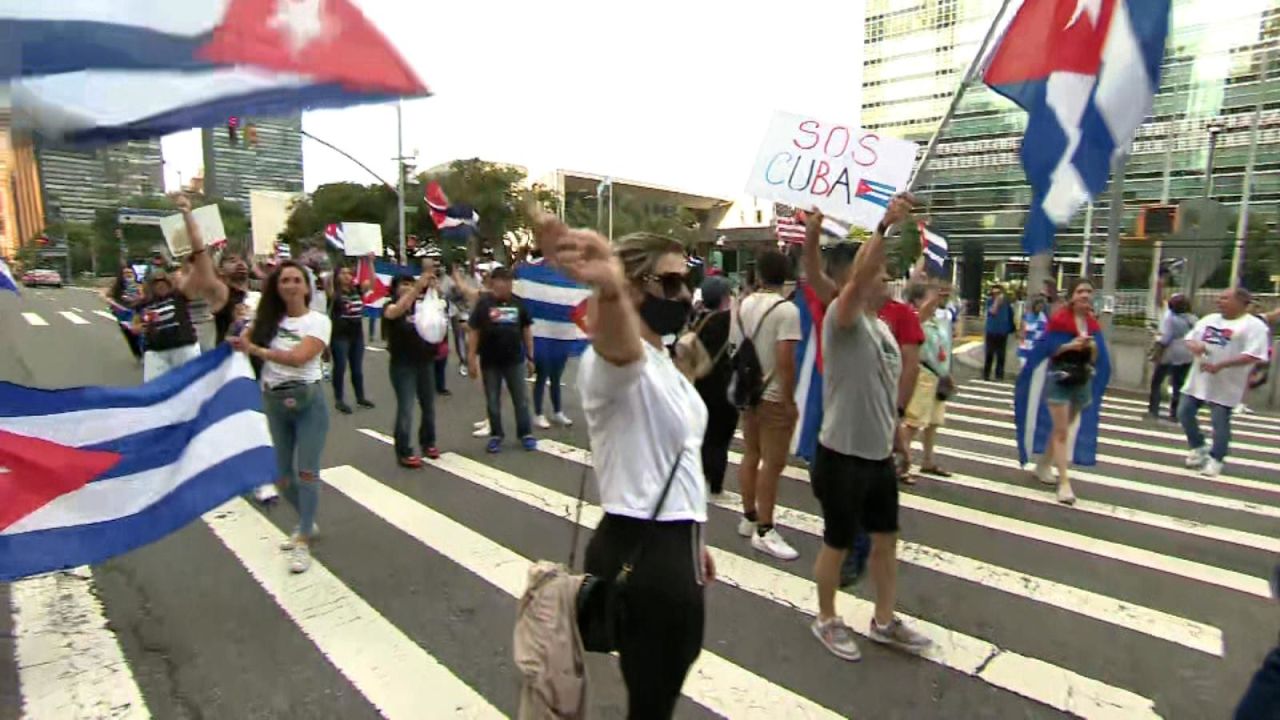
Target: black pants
{"type": "Point", "coordinates": [134, 341]}
{"type": "Point", "coordinates": [1177, 374]}
{"type": "Point", "coordinates": [441, 367]}
{"type": "Point", "coordinates": [664, 610]}
{"type": "Point", "coordinates": [1262, 699]}
{"type": "Point", "coordinates": [996, 351]}
{"type": "Point", "coordinates": [722, 420]}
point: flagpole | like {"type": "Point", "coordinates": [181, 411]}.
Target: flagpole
{"type": "Point", "coordinates": [974, 65]}
{"type": "Point", "coordinates": [400, 177]}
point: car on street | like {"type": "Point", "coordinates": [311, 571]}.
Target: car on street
{"type": "Point", "coordinates": [42, 277]}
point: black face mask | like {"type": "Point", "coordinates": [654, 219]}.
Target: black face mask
{"type": "Point", "coordinates": [663, 316]}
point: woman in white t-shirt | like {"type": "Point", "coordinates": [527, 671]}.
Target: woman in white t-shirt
{"type": "Point", "coordinates": [288, 337]}
{"type": "Point", "coordinates": [646, 423]}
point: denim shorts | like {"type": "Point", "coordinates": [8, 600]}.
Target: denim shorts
{"type": "Point", "coordinates": [1078, 396]}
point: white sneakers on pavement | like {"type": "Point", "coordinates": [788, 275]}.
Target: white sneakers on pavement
{"type": "Point", "coordinates": [542, 422]}
{"type": "Point", "coordinates": [300, 559]}
{"type": "Point", "coordinates": [772, 543]}
{"type": "Point", "coordinates": [481, 429]}
{"type": "Point", "coordinates": [836, 637]}
{"type": "Point", "coordinates": [1197, 457]}
{"type": "Point", "coordinates": [1211, 468]}
{"type": "Point", "coordinates": [562, 419]}
{"type": "Point", "coordinates": [746, 528]}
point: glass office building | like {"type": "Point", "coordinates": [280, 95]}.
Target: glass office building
{"type": "Point", "coordinates": [262, 154]}
{"type": "Point", "coordinates": [1214, 72]}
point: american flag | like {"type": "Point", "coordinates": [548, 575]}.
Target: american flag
{"type": "Point", "coordinates": [789, 229]}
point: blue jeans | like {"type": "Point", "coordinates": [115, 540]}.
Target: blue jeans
{"type": "Point", "coordinates": [1219, 415]}
{"type": "Point", "coordinates": [1262, 699]}
{"type": "Point", "coordinates": [298, 418]}
{"type": "Point", "coordinates": [549, 369]}
{"type": "Point", "coordinates": [410, 381]}
{"type": "Point", "coordinates": [514, 376]}
{"type": "Point", "coordinates": [373, 326]}
{"type": "Point", "coordinates": [348, 350]}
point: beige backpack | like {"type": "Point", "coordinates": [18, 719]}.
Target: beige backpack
{"type": "Point", "coordinates": [548, 646]}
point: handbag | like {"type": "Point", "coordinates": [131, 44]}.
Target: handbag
{"type": "Point", "coordinates": [946, 387]}
{"type": "Point", "coordinates": [601, 601]}
{"type": "Point", "coordinates": [429, 319]}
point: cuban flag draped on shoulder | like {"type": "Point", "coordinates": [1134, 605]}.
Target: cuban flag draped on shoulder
{"type": "Point", "coordinates": [100, 72]}
{"type": "Point", "coordinates": [90, 473]}
{"type": "Point", "coordinates": [804, 442]}
{"type": "Point", "coordinates": [1031, 412]}
{"type": "Point", "coordinates": [558, 307]}
{"type": "Point", "coordinates": [6, 278]}
{"type": "Point", "coordinates": [1086, 72]}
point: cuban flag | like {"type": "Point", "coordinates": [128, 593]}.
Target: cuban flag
{"type": "Point", "coordinates": [933, 245]}
{"type": "Point", "coordinates": [558, 307]}
{"type": "Point", "coordinates": [6, 278]}
{"type": "Point", "coordinates": [334, 235]}
{"type": "Point", "coordinates": [1086, 72]}
{"type": "Point", "coordinates": [380, 274]}
{"type": "Point", "coordinates": [808, 397]}
{"type": "Point", "coordinates": [90, 473]}
{"type": "Point", "coordinates": [454, 222]}
{"type": "Point", "coordinates": [99, 72]}
{"type": "Point", "coordinates": [875, 192]}
{"type": "Point", "coordinates": [1031, 412]}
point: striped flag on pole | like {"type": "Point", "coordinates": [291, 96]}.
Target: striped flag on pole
{"type": "Point", "coordinates": [790, 230]}
{"type": "Point", "coordinates": [336, 238]}
{"type": "Point", "coordinates": [933, 245]}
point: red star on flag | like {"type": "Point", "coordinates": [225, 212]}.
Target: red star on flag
{"type": "Point", "coordinates": [33, 472]}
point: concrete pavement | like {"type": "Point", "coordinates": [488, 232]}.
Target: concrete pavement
{"type": "Point", "coordinates": [1147, 599]}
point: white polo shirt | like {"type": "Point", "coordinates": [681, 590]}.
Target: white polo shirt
{"type": "Point", "coordinates": [640, 417]}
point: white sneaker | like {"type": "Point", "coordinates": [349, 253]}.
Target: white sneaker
{"type": "Point", "coordinates": [1196, 458]}
{"type": "Point", "coordinates": [462, 370]}
{"type": "Point", "coordinates": [300, 559]}
{"type": "Point", "coordinates": [746, 528]}
{"type": "Point", "coordinates": [1065, 495]}
{"type": "Point", "coordinates": [1044, 473]}
{"type": "Point", "coordinates": [266, 493]}
{"type": "Point", "coordinates": [293, 540]}
{"type": "Point", "coordinates": [772, 543]}
{"type": "Point", "coordinates": [482, 431]}
{"type": "Point", "coordinates": [480, 424]}
{"type": "Point", "coordinates": [542, 422]}
{"type": "Point", "coordinates": [562, 419]}
{"type": "Point", "coordinates": [1211, 468]}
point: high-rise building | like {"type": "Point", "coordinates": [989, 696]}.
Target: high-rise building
{"type": "Point", "coordinates": [1213, 74]}
{"type": "Point", "coordinates": [252, 154]}
{"type": "Point", "coordinates": [76, 183]}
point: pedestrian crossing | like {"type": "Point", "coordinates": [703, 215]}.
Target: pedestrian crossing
{"type": "Point", "coordinates": [1141, 601]}
{"type": "Point", "coordinates": [73, 317]}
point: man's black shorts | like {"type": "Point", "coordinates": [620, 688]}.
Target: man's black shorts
{"type": "Point", "coordinates": [855, 494]}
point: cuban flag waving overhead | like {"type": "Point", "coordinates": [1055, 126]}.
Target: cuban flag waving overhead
{"type": "Point", "coordinates": [334, 235]}
{"type": "Point", "coordinates": [558, 307]}
{"type": "Point", "coordinates": [90, 473]}
{"type": "Point", "coordinates": [6, 278]}
{"type": "Point", "coordinates": [455, 222]}
{"type": "Point", "coordinates": [1086, 72]}
{"type": "Point", "coordinates": [804, 442]}
{"type": "Point", "coordinates": [1031, 412]}
{"type": "Point", "coordinates": [93, 72]}
{"type": "Point", "coordinates": [933, 245]}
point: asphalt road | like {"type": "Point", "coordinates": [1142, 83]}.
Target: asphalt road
{"type": "Point", "coordinates": [1146, 599]}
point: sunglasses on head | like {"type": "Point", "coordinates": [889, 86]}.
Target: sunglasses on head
{"type": "Point", "coordinates": [673, 283]}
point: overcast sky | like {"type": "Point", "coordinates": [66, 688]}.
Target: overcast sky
{"type": "Point", "coordinates": [673, 92]}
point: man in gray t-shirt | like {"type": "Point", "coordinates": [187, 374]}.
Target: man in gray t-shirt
{"type": "Point", "coordinates": [853, 475]}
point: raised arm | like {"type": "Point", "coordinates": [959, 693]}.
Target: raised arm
{"type": "Point", "coordinates": [868, 265]}
{"type": "Point", "coordinates": [200, 280]}
{"type": "Point", "coordinates": [811, 258]}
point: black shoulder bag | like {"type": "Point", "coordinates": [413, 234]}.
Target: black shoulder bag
{"type": "Point", "coordinates": [602, 601]}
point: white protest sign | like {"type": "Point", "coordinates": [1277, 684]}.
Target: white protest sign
{"type": "Point", "coordinates": [846, 172]}
{"type": "Point", "coordinates": [269, 213]}
{"type": "Point", "coordinates": [362, 238]}
{"type": "Point", "coordinates": [207, 218]}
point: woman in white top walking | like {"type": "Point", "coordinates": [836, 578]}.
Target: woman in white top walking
{"type": "Point", "coordinates": [646, 423]}
{"type": "Point", "coordinates": [288, 338]}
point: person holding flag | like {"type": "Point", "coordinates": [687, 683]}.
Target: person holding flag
{"type": "Point", "coordinates": [123, 296]}
{"type": "Point", "coordinates": [1061, 385]}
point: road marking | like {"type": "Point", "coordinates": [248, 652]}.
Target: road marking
{"type": "Point", "coordinates": [391, 670]}
{"type": "Point", "coordinates": [69, 663]}
{"type": "Point", "coordinates": [1038, 680]}
{"type": "Point", "coordinates": [713, 682]}
{"type": "Point", "coordinates": [73, 318]}
{"type": "Point", "coordinates": [34, 319]}
{"type": "Point", "coordinates": [106, 315]}
{"type": "Point", "coordinates": [1244, 506]}
{"type": "Point", "coordinates": [374, 348]}
{"type": "Point", "coordinates": [77, 309]}
{"type": "Point", "coordinates": [1003, 401]}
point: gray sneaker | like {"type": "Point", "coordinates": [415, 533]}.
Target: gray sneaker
{"type": "Point", "coordinates": [299, 559]}
{"type": "Point", "coordinates": [837, 637]}
{"type": "Point", "coordinates": [899, 635]}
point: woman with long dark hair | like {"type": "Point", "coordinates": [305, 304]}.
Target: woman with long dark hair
{"type": "Point", "coordinates": [646, 424]}
{"type": "Point", "coordinates": [123, 296]}
{"type": "Point", "coordinates": [346, 313]}
{"type": "Point", "coordinates": [287, 337]}
{"type": "Point", "coordinates": [412, 360]}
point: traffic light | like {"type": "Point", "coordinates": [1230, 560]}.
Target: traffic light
{"type": "Point", "coordinates": [1160, 220]}
{"type": "Point", "coordinates": [233, 125]}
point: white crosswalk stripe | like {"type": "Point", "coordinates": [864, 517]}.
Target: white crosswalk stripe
{"type": "Point", "coordinates": [73, 318]}
{"type": "Point", "coordinates": [34, 319]}
{"type": "Point", "coordinates": [105, 315]}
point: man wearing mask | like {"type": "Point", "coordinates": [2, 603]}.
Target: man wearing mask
{"type": "Point", "coordinates": [500, 350]}
{"type": "Point", "coordinates": [1226, 345]}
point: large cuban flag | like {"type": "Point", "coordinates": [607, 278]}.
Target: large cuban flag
{"type": "Point", "coordinates": [558, 307]}
{"type": "Point", "coordinates": [1086, 72]}
{"type": "Point", "coordinates": [1031, 412]}
{"type": "Point", "coordinates": [92, 72]}
{"type": "Point", "coordinates": [808, 396]}
{"type": "Point", "coordinates": [90, 473]}
{"type": "Point", "coordinates": [379, 274]}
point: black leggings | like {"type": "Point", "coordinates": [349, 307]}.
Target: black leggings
{"type": "Point", "coordinates": [664, 614]}
{"type": "Point", "coordinates": [722, 420]}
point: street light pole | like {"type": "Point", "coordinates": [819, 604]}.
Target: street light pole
{"type": "Point", "coordinates": [400, 177]}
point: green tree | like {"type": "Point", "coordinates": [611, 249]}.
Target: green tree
{"type": "Point", "coordinates": [632, 214]}
{"type": "Point", "coordinates": [498, 193]}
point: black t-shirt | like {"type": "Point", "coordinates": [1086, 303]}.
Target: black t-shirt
{"type": "Point", "coordinates": [347, 312]}
{"type": "Point", "coordinates": [500, 324]}
{"type": "Point", "coordinates": [167, 322]}
{"type": "Point", "coordinates": [404, 343]}
{"type": "Point", "coordinates": [226, 317]}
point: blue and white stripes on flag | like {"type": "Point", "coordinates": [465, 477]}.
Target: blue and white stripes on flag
{"type": "Point", "coordinates": [6, 278]}
{"type": "Point", "coordinates": [150, 458]}
{"type": "Point", "coordinates": [933, 245]}
{"type": "Point", "coordinates": [557, 306]}
{"type": "Point", "coordinates": [808, 394]}
{"type": "Point", "coordinates": [1031, 412]}
{"type": "Point", "coordinates": [336, 236]}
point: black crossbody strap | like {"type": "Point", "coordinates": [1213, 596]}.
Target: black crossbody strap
{"type": "Point", "coordinates": [671, 476]}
